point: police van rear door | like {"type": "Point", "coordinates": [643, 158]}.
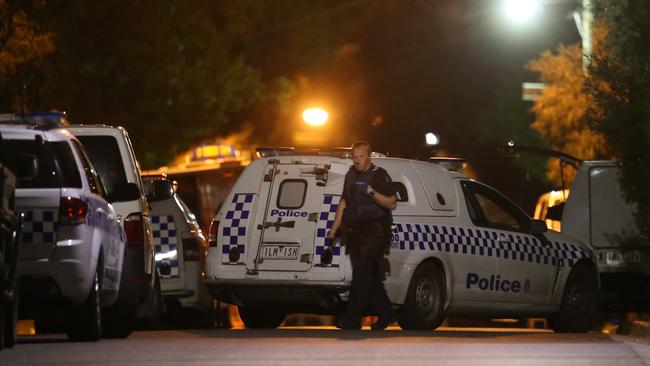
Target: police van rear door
{"type": "Point", "coordinates": [283, 238]}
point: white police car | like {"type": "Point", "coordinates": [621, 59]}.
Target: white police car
{"type": "Point", "coordinates": [72, 246]}
{"type": "Point", "coordinates": [180, 247]}
{"type": "Point", "coordinates": [458, 247]}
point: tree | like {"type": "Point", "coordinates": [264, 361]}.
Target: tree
{"type": "Point", "coordinates": [560, 110]}
{"type": "Point", "coordinates": [619, 85]}
{"type": "Point", "coordinates": [23, 44]}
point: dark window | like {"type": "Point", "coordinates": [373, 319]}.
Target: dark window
{"type": "Point", "coordinates": [292, 193]}
{"type": "Point", "coordinates": [401, 194]}
{"type": "Point", "coordinates": [489, 208]}
{"type": "Point", "coordinates": [105, 156]}
{"type": "Point", "coordinates": [42, 164]}
{"type": "Point", "coordinates": [91, 174]}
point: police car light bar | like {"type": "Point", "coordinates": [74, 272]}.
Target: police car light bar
{"type": "Point", "coordinates": [339, 152]}
{"type": "Point", "coordinates": [453, 164]}
{"type": "Point", "coordinates": [43, 120]}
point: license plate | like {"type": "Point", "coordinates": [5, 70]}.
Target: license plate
{"type": "Point", "coordinates": [280, 251]}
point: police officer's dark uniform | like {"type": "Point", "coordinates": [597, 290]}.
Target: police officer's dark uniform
{"type": "Point", "coordinates": [368, 241]}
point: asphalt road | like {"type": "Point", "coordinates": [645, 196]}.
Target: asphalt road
{"type": "Point", "coordinates": [328, 347]}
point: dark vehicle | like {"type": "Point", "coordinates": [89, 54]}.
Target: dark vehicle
{"type": "Point", "coordinates": [9, 233]}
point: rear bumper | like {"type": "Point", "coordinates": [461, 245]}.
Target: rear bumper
{"type": "Point", "coordinates": [70, 271]}
{"type": "Point", "coordinates": [143, 280]}
{"type": "Point", "coordinates": [296, 296]}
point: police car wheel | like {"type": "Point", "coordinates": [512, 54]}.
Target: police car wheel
{"type": "Point", "coordinates": [423, 308]}
{"type": "Point", "coordinates": [579, 303]}
{"type": "Point", "coordinates": [84, 322]}
{"type": "Point", "coordinates": [261, 317]}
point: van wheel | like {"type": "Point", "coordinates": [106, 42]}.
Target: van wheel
{"type": "Point", "coordinates": [423, 308]}
{"type": "Point", "coordinates": [84, 322]}
{"type": "Point", "coordinates": [120, 317]}
{"type": "Point", "coordinates": [579, 302]}
{"type": "Point", "coordinates": [261, 316]}
{"type": "Point", "coordinates": [11, 318]}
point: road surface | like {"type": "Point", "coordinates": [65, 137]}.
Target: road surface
{"type": "Point", "coordinates": [329, 347]}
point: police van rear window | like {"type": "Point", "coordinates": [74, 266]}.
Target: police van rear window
{"type": "Point", "coordinates": [292, 193]}
{"type": "Point", "coordinates": [42, 164]}
{"type": "Point", "coordinates": [104, 153]}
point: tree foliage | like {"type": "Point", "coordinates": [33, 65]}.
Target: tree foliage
{"type": "Point", "coordinates": [560, 110]}
{"type": "Point", "coordinates": [619, 85]}
{"type": "Point", "coordinates": [23, 44]}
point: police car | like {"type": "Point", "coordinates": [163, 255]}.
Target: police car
{"type": "Point", "coordinates": [458, 247]}
{"type": "Point", "coordinates": [180, 247]}
{"type": "Point", "coordinates": [72, 246]}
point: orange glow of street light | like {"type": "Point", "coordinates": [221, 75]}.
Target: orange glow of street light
{"type": "Point", "coordinates": [315, 116]}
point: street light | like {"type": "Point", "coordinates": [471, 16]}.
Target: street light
{"type": "Point", "coordinates": [521, 10]}
{"type": "Point", "coordinates": [431, 139]}
{"type": "Point", "coordinates": [315, 116]}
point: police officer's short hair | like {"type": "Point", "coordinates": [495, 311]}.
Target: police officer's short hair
{"type": "Point", "coordinates": [362, 143]}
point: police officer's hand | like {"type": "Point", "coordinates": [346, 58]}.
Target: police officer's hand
{"type": "Point", "coordinates": [331, 233]}
{"type": "Point", "coordinates": [369, 189]}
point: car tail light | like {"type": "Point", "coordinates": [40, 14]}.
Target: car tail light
{"type": "Point", "coordinates": [72, 210]}
{"type": "Point", "coordinates": [134, 229]}
{"type": "Point", "coordinates": [212, 233]}
{"type": "Point", "coordinates": [191, 249]}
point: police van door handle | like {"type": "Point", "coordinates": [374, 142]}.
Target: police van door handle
{"type": "Point", "coordinates": [503, 240]}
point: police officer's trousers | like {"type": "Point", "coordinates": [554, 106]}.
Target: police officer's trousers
{"type": "Point", "coordinates": [367, 292]}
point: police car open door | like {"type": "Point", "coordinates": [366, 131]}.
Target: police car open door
{"type": "Point", "coordinates": [286, 221]}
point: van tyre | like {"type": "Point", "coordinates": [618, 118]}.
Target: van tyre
{"type": "Point", "coordinates": [120, 317]}
{"type": "Point", "coordinates": [261, 317]}
{"type": "Point", "coordinates": [423, 308]}
{"type": "Point", "coordinates": [8, 320]}
{"type": "Point", "coordinates": [154, 307]}
{"type": "Point", "coordinates": [579, 302]}
{"type": "Point", "coordinates": [84, 322]}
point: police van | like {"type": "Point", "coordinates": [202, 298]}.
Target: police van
{"type": "Point", "coordinates": [458, 247]}
{"type": "Point", "coordinates": [180, 247]}
{"type": "Point", "coordinates": [71, 256]}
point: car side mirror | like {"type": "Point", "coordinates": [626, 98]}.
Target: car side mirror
{"type": "Point", "coordinates": [24, 166]}
{"type": "Point", "coordinates": [555, 212]}
{"type": "Point", "coordinates": [538, 227]}
{"type": "Point", "coordinates": [160, 190]}
{"type": "Point", "coordinates": [124, 192]}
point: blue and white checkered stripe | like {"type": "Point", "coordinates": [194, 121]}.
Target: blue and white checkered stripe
{"type": "Point", "coordinates": [235, 225]}
{"type": "Point", "coordinates": [39, 226]}
{"type": "Point", "coordinates": [483, 242]}
{"type": "Point", "coordinates": [325, 221]}
{"type": "Point", "coordinates": [165, 240]}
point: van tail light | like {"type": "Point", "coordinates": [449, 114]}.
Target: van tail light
{"type": "Point", "coordinates": [191, 249]}
{"type": "Point", "coordinates": [134, 229]}
{"type": "Point", "coordinates": [212, 233]}
{"type": "Point", "coordinates": [72, 211]}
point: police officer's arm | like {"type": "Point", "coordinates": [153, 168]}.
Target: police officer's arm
{"type": "Point", "coordinates": [337, 219]}
{"type": "Point", "coordinates": [387, 202]}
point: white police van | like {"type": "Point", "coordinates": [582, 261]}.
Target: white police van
{"type": "Point", "coordinates": [458, 247]}
{"type": "Point", "coordinates": [180, 247]}
{"type": "Point", "coordinates": [72, 247]}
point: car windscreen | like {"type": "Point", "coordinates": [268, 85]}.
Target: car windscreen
{"type": "Point", "coordinates": [42, 164]}
{"type": "Point", "coordinates": [105, 155]}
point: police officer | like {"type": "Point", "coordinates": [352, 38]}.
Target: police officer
{"type": "Point", "coordinates": [364, 212]}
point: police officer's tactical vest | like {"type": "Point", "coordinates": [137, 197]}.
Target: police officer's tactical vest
{"type": "Point", "coordinates": [362, 208]}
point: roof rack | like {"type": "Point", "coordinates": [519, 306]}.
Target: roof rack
{"type": "Point", "coordinates": [40, 120]}
{"type": "Point", "coordinates": [339, 152]}
{"type": "Point", "coordinates": [453, 164]}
